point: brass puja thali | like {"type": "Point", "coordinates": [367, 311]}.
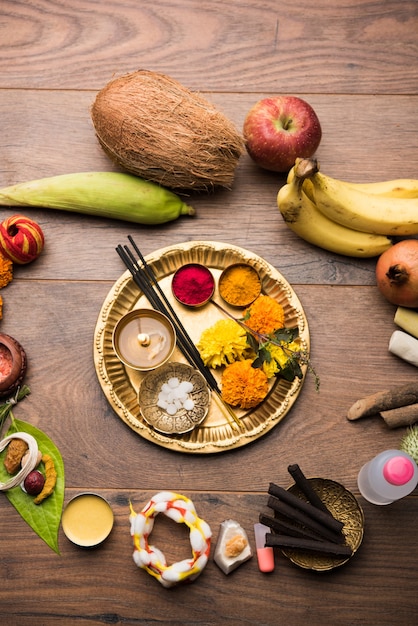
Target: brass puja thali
{"type": "Point", "coordinates": [121, 384]}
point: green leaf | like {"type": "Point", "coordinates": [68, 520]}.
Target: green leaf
{"type": "Point", "coordinates": [44, 518]}
{"type": "Point", "coordinates": [287, 335]}
{"type": "Point", "coordinates": [252, 342]}
{"type": "Point", "coordinates": [291, 370]}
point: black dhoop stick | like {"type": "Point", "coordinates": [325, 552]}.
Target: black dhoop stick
{"type": "Point", "coordinates": [325, 547]}
{"type": "Point", "coordinates": [306, 507]}
{"type": "Point", "coordinates": [305, 520]}
{"type": "Point", "coordinates": [287, 528]}
{"type": "Point", "coordinates": [304, 485]}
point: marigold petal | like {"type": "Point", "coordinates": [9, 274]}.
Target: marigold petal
{"type": "Point", "coordinates": [265, 315]}
{"type": "Point", "coordinates": [223, 343]}
{"type": "Point", "coordinates": [243, 385]}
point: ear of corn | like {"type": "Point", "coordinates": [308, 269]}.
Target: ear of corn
{"type": "Point", "coordinates": [106, 194]}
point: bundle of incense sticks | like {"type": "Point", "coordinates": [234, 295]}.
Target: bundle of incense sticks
{"type": "Point", "coordinates": [300, 524]}
{"type": "Point", "coordinates": [145, 278]}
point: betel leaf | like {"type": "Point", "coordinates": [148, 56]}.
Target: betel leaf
{"type": "Point", "coordinates": [43, 518]}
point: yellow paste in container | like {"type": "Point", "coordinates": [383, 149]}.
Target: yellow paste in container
{"type": "Point", "coordinates": [87, 520]}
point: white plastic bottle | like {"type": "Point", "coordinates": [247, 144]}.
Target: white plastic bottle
{"type": "Point", "coordinates": [389, 476]}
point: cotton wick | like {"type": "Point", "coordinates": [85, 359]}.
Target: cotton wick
{"type": "Point", "coordinates": [144, 339]}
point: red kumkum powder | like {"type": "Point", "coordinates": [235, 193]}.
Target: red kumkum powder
{"type": "Point", "coordinates": [193, 284]}
{"type": "Point", "coordinates": [6, 362]}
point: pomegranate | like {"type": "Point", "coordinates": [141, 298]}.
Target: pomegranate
{"type": "Point", "coordinates": [397, 273]}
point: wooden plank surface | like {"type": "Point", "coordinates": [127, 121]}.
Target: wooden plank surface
{"type": "Point", "coordinates": [356, 64]}
{"type": "Point", "coordinates": [354, 48]}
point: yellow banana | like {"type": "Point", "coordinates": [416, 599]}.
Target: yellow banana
{"type": "Point", "coordinates": [303, 218]}
{"type": "Point", "coordinates": [350, 207]}
{"type": "Point", "coordinates": [397, 188]}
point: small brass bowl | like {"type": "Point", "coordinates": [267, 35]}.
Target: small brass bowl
{"type": "Point", "coordinates": [237, 275]}
{"type": "Point", "coordinates": [13, 364]}
{"type": "Point", "coordinates": [193, 285]}
{"type": "Point", "coordinates": [144, 339]}
{"type": "Point", "coordinates": [87, 520]}
{"type": "Point", "coordinates": [183, 420]}
{"type": "Point", "coordinates": [343, 505]}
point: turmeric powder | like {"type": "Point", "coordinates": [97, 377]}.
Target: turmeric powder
{"type": "Point", "coordinates": [6, 271]}
{"type": "Point", "coordinates": [50, 479]}
{"type": "Point", "coordinates": [239, 284]}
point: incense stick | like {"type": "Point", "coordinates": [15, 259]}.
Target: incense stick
{"type": "Point", "coordinates": [146, 280]}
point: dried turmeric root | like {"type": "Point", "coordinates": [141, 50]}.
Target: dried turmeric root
{"type": "Point", "coordinates": [50, 479]}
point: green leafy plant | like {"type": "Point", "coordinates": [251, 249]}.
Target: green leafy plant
{"type": "Point", "coordinates": [293, 360]}
{"type": "Point", "coordinates": [44, 518]}
{"type": "Point", "coordinates": [6, 407]}
{"type": "Point", "coordinates": [409, 442]}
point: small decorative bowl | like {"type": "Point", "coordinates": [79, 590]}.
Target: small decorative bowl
{"type": "Point", "coordinates": [238, 275]}
{"type": "Point", "coordinates": [13, 364]}
{"type": "Point", "coordinates": [183, 420]}
{"type": "Point", "coordinates": [144, 339]}
{"type": "Point", "coordinates": [193, 285]}
{"type": "Point", "coordinates": [343, 505]}
{"type": "Point", "coordinates": [87, 520]}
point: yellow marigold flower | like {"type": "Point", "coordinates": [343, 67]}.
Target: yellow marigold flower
{"type": "Point", "coordinates": [279, 357]}
{"type": "Point", "coordinates": [223, 343]}
{"type": "Point", "coordinates": [265, 315]}
{"type": "Point", "coordinates": [243, 385]}
{"type": "Point", "coordinates": [6, 271]}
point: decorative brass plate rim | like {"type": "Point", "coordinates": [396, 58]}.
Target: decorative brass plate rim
{"type": "Point", "coordinates": [120, 384]}
{"type": "Point", "coordinates": [344, 506]}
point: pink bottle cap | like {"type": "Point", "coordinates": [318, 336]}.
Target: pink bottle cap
{"type": "Point", "coordinates": [398, 470]}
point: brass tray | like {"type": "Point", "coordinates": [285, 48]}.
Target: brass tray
{"type": "Point", "coordinates": [343, 505]}
{"type": "Point", "coordinates": [120, 384]}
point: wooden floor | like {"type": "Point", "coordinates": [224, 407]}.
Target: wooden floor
{"type": "Point", "coordinates": [356, 63]}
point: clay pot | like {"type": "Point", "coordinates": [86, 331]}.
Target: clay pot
{"type": "Point", "coordinates": [13, 365]}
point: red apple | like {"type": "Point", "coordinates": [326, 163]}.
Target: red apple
{"type": "Point", "coordinates": [277, 130]}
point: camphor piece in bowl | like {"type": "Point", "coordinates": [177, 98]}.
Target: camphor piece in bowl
{"type": "Point", "coordinates": [182, 420]}
{"type": "Point", "coordinates": [144, 339]}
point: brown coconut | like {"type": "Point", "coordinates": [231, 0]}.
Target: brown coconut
{"type": "Point", "coordinates": [152, 126]}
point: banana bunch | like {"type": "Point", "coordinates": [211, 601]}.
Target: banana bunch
{"type": "Point", "coordinates": [353, 219]}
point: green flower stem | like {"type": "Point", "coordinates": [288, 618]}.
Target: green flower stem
{"type": "Point", "coordinates": [6, 409]}
{"type": "Point", "coordinates": [298, 357]}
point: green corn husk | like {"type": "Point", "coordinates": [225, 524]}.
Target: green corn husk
{"type": "Point", "coordinates": [105, 194]}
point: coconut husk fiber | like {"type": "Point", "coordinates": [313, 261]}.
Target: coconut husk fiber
{"type": "Point", "coordinates": [152, 126]}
